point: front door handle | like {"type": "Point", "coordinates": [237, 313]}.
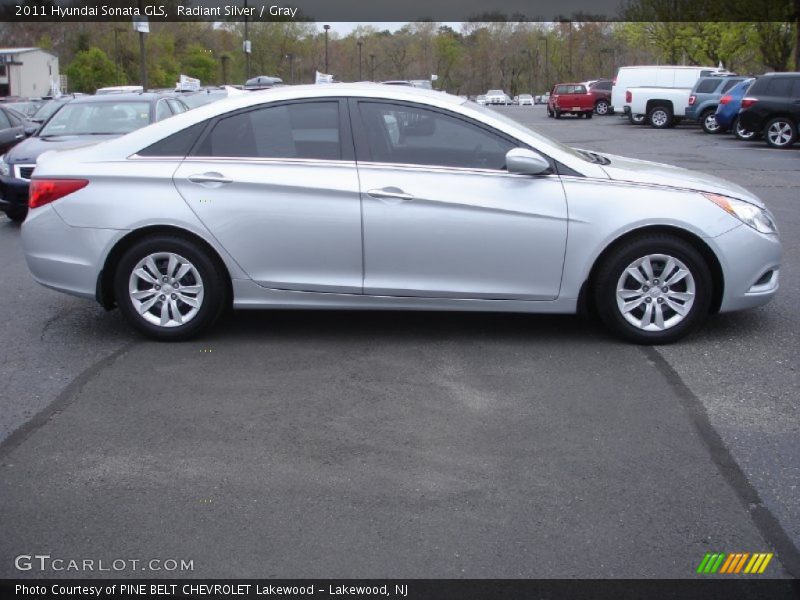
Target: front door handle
{"type": "Point", "coordinates": [209, 178]}
{"type": "Point", "coordinates": [390, 193]}
{"type": "Point", "coordinates": [19, 137]}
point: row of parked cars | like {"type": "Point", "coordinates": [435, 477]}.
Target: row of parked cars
{"type": "Point", "coordinates": [765, 107]}
{"type": "Point", "coordinates": [74, 120]}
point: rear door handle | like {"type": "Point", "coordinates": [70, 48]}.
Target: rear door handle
{"type": "Point", "coordinates": [390, 193]}
{"type": "Point", "coordinates": [209, 178]}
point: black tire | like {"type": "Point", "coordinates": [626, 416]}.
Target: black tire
{"type": "Point", "coordinates": [743, 134]}
{"type": "Point", "coordinates": [709, 123]}
{"type": "Point", "coordinates": [660, 117]}
{"type": "Point", "coordinates": [602, 107]}
{"type": "Point", "coordinates": [620, 258]}
{"type": "Point", "coordinates": [557, 113]}
{"type": "Point", "coordinates": [17, 215]}
{"type": "Point", "coordinates": [549, 113]}
{"type": "Point", "coordinates": [780, 132]}
{"type": "Point", "coordinates": [636, 119]}
{"type": "Point", "coordinates": [588, 115]}
{"type": "Point", "coordinates": [212, 274]}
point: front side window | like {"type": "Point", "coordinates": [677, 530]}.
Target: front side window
{"type": "Point", "coordinates": [4, 122]}
{"type": "Point", "coordinates": [401, 134]}
{"type": "Point", "coordinates": [308, 130]}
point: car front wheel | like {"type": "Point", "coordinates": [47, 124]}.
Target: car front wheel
{"type": "Point", "coordinates": [653, 289]}
{"type": "Point", "coordinates": [169, 288]}
{"type": "Point", "coordinates": [780, 133]}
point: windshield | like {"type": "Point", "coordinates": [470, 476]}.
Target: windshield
{"type": "Point", "coordinates": [26, 108]}
{"type": "Point", "coordinates": [201, 98]}
{"type": "Point", "coordinates": [98, 118]}
{"type": "Point", "coordinates": [588, 157]}
{"type": "Point", "coordinates": [47, 110]}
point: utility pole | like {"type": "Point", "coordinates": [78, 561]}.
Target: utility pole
{"type": "Point", "coordinates": [143, 29]}
{"type": "Point", "coordinates": [246, 46]}
{"type": "Point", "coordinates": [290, 56]}
{"type": "Point", "coordinates": [546, 64]}
{"type": "Point", "coordinates": [360, 43]}
{"type": "Point", "coordinates": [372, 67]}
{"type": "Point", "coordinates": [326, 28]}
{"type": "Point", "coordinates": [117, 31]}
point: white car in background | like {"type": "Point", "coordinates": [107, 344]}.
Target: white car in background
{"type": "Point", "coordinates": [525, 100]}
{"type": "Point", "coordinates": [497, 97]}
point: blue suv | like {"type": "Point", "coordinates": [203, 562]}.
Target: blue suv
{"type": "Point", "coordinates": [704, 100]}
{"type": "Point", "coordinates": [727, 115]}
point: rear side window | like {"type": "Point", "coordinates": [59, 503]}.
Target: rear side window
{"type": "Point", "coordinates": [728, 85]}
{"type": "Point", "coordinates": [779, 86]}
{"type": "Point", "coordinates": [176, 145]}
{"type": "Point", "coordinates": [163, 110]}
{"type": "Point", "coordinates": [602, 85]}
{"type": "Point", "coordinates": [707, 86]}
{"type": "Point", "coordinates": [176, 106]}
{"type": "Point", "coordinates": [307, 130]}
{"type": "Point", "coordinates": [796, 88]}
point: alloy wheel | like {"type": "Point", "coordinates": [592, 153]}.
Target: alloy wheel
{"type": "Point", "coordinates": [780, 133]}
{"type": "Point", "coordinates": [655, 292]}
{"type": "Point", "coordinates": [601, 108]}
{"type": "Point", "coordinates": [710, 123]}
{"type": "Point", "coordinates": [166, 289]}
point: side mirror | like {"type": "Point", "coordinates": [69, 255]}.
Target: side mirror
{"type": "Point", "coordinates": [30, 130]}
{"type": "Point", "coordinates": [526, 162]}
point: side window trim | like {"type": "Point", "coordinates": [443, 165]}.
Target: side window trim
{"type": "Point", "coordinates": [364, 155]}
{"type": "Point", "coordinates": [345, 133]}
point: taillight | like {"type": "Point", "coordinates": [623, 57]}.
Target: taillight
{"type": "Point", "coordinates": [725, 99]}
{"type": "Point", "coordinates": [692, 99]}
{"type": "Point", "coordinates": [748, 102]}
{"type": "Point", "coordinates": [628, 96]}
{"type": "Point", "coordinates": [45, 191]}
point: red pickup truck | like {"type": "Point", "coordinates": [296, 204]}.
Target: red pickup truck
{"type": "Point", "coordinates": [570, 98]}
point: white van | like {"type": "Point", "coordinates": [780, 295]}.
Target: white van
{"type": "Point", "coordinates": [667, 76]}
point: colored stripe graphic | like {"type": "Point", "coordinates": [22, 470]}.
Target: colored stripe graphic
{"type": "Point", "coordinates": [737, 562]}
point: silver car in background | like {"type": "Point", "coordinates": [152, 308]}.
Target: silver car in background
{"type": "Point", "coordinates": [368, 196]}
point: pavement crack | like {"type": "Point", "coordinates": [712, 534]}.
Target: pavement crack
{"type": "Point", "coordinates": [767, 524]}
{"type": "Point", "coordinates": [62, 401]}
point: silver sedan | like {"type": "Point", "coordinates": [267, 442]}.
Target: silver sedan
{"type": "Point", "coordinates": [383, 197]}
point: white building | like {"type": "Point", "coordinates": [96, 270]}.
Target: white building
{"type": "Point", "coordinates": [28, 72]}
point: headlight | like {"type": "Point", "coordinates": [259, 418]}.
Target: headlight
{"type": "Point", "coordinates": [5, 170]}
{"type": "Point", "coordinates": [749, 214]}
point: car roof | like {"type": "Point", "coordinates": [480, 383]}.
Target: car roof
{"type": "Point", "coordinates": [783, 74]}
{"type": "Point", "coordinates": [124, 97]}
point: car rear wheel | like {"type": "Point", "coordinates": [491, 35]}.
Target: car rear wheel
{"type": "Point", "coordinates": [636, 119]}
{"type": "Point", "coordinates": [588, 115]}
{"type": "Point", "coordinates": [708, 120]}
{"type": "Point", "coordinates": [780, 132]}
{"type": "Point", "coordinates": [557, 113]}
{"type": "Point", "coordinates": [653, 289]}
{"type": "Point", "coordinates": [169, 288]}
{"type": "Point", "coordinates": [743, 134]}
{"type": "Point", "coordinates": [601, 107]}
{"type": "Point", "coordinates": [660, 117]}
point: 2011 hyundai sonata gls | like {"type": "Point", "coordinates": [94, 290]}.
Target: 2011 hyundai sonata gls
{"type": "Point", "coordinates": [384, 197]}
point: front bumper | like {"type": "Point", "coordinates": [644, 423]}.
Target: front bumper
{"type": "Point", "coordinates": [750, 265]}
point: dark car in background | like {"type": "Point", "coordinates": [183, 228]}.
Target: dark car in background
{"type": "Point", "coordinates": [705, 97]}
{"type": "Point", "coordinates": [14, 128]}
{"type": "Point", "coordinates": [82, 121]}
{"type": "Point", "coordinates": [772, 107]}
{"type": "Point", "coordinates": [600, 91]}
{"type": "Point", "coordinates": [49, 107]}
{"type": "Point", "coordinates": [26, 107]}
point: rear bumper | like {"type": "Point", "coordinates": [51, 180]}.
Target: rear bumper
{"type": "Point", "coordinates": [64, 258]}
{"type": "Point", "coordinates": [750, 264]}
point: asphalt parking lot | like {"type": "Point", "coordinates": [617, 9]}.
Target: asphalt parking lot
{"type": "Point", "coordinates": [325, 444]}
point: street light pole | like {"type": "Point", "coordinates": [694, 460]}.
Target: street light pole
{"type": "Point", "coordinates": [117, 30]}
{"type": "Point", "coordinates": [372, 67]}
{"type": "Point", "coordinates": [326, 28]}
{"type": "Point", "coordinates": [142, 53]}
{"type": "Point", "coordinates": [290, 56]}
{"type": "Point", "coordinates": [246, 45]}
{"type": "Point", "coordinates": [360, 43]}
